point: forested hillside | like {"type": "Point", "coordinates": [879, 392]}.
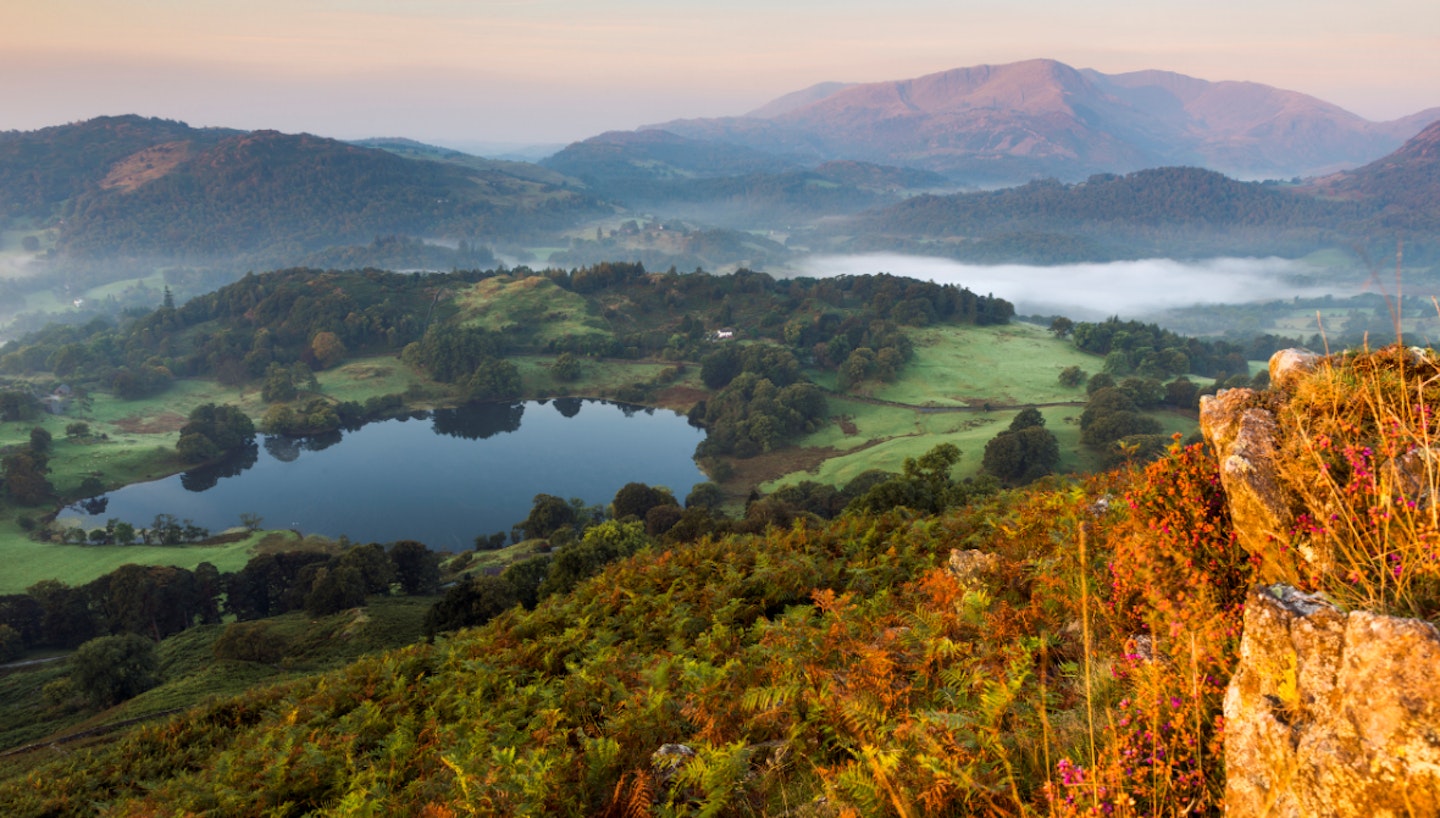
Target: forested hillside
{"type": "Point", "coordinates": [128, 194]}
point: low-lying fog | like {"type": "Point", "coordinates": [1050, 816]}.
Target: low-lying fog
{"type": "Point", "coordinates": [1130, 289]}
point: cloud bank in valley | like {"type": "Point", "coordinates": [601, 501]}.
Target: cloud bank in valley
{"type": "Point", "coordinates": [1125, 288]}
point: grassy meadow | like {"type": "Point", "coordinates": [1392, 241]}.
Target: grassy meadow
{"type": "Point", "coordinates": [1007, 365]}
{"type": "Point", "coordinates": [964, 386]}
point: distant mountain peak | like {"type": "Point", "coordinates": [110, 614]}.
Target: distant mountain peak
{"type": "Point", "coordinates": [1041, 117]}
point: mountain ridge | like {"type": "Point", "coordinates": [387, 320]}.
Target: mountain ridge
{"type": "Point", "coordinates": [990, 124]}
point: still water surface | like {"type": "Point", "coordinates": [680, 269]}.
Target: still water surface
{"type": "Point", "coordinates": [439, 477]}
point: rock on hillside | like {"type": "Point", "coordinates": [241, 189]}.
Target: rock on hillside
{"type": "Point", "coordinates": [1332, 715]}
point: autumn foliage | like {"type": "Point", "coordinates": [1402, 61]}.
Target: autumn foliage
{"type": "Point", "coordinates": [1061, 650]}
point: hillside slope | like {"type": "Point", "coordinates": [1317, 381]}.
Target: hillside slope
{"type": "Point", "coordinates": [148, 191]}
{"type": "Point", "coordinates": [1061, 650]}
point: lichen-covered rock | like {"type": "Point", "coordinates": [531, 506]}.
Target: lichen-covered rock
{"type": "Point", "coordinates": [1245, 437]}
{"type": "Point", "coordinates": [1332, 714]}
{"type": "Point", "coordinates": [1415, 476]}
{"type": "Point", "coordinates": [1288, 366]}
{"type": "Point", "coordinates": [971, 568]}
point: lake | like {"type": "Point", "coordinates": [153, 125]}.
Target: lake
{"type": "Point", "coordinates": [440, 477]}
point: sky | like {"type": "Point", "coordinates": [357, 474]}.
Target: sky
{"type": "Point", "coordinates": [466, 72]}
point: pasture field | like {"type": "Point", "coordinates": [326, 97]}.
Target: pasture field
{"type": "Point", "coordinates": [28, 562]}
{"type": "Point", "coordinates": [360, 379]}
{"type": "Point", "coordinates": [1006, 365]}
{"type": "Point", "coordinates": [867, 436]}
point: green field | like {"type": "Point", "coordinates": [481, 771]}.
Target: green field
{"type": "Point", "coordinates": [532, 306]}
{"type": "Point", "coordinates": [1007, 365]}
{"type": "Point", "coordinates": [963, 370]}
{"type": "Point", "coordinates": [884, 436]}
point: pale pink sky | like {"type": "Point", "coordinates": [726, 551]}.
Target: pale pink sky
{"type": "Point", "coordinates": [559, 70]}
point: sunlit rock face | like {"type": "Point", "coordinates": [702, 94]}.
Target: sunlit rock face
{"type": "Point", "coordinates": [1332, 714]}
{"type": "Point", "coordinates": [1289, 366]}
{"type": "Point", "coordinates": [1244, 434]}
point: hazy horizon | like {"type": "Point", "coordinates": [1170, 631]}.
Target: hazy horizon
{"type": "Point", "coordinates": [546, 71]}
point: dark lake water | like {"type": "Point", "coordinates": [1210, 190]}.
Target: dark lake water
{"type": "Point", "coordinates": [439, 477]}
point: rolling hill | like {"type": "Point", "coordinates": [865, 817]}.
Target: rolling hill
{"type": "Point", "coordinates": [730, 185]}
{"type": "Point", "coordinates": [147, 191]}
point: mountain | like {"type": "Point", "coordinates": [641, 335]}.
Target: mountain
{"type": "Point", "coordinates": [1005, 123]}
{"type": "Point", "coordinates": [41, 170]}
{"type": "Point", "coordinates": [1404, 186]}
{"type": "Point", "coordinates": [143, 190]}
{"type": "Point", "coordinates": [798, 99]}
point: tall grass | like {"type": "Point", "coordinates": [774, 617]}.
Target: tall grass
{"type": "Point", "coordinates": [1359, 454]}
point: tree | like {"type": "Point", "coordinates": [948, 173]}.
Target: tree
{"type": "Point", "coordinates": [493, 379]}
{"type": "Point", "coordinates": [548, 514]}
{"type": "Point", "coordinates": [1072, 376]}
{"type": "Point", "coordinates": [1022, 455]}
{"type": "Point", "coordinates": [1181, 393]}
{"type": "Point", "coordinates": [636, 500]}
{"type": "Point", "coordinates": [279, 386]}
{"type": "Point", "coordinates": [327, 348]}
{"type": "Point", "coordinates": [1062, 326]}
{"type": "Point", "coordinates": [601, 545]}
{"type": "Point", "coordinates": [417, 568]}
{"type": "Point", "coordinates": [25, 477]}
{"type": "Point", "coordinates": [67, 620]}
{"type": "Point", "coordinates": [566, 367]}
{"type": "Point", "coordinates": [78, 429]}
{"type": "Point", "coordinates": [111, 669]}
{"type": "Point", "coordinates": [18, 406]}
{"type": "Point", "coordinates": [335, 588]}
{"type": "Point", "coordinates": [525, 577]}
{"type": "Point", "coordinates": [1027, 418]}
{"type": "Point", "coordinates": [471, 603]}
{"type": "Point", "coordinates": [376, 569]}
{"type": "Point", "coordinates": [11, 645]}
{"type": "Point", "coordinates": [213, 430]}
{"type": "Point", "coordinates": [923, 485]}
{"type": "Point", "coordinates": [40, 440]}
{"type": "Point", "coordinates": [705, 495]}
{"type": "Point", "coordinates": [124, 533]}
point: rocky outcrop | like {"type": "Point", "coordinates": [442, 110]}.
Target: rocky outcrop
{"type": "Point", "coordinates": [972, 568]}
{"type": "Point", "coordinates": [1332, 714]}
{"type": "Point", "coordinates": [1245, 436]}
{"type": "Point", "coordinates": [1288, 366]}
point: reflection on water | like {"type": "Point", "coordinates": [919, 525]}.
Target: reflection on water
{"type": "Point", "coordinates": [442, 477]}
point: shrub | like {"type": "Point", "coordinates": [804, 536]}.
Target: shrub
{"type": "Point", "coordinates": [111, 669]}
{"type": "Point", "coordinates": [251, 642]}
